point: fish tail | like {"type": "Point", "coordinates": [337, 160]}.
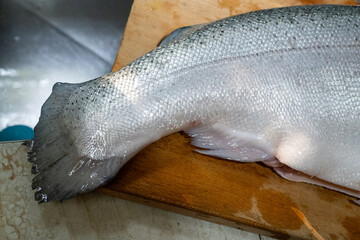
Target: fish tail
{"type": "Point", "coordinates": [49, 127]}
{"type": "Point", "coordinates": [62, 170]}
{"type": "Point", "coordinates": [51, 142]}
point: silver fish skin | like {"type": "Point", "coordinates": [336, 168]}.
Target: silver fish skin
{"type": "Point", "coordinates": [280, 86]}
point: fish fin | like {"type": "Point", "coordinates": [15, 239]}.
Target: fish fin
{"type": "Point", "coordinates": [357, 201]}
{"type": "Point", "coordinates": [221, 141]}
{"type": "Point", "coordinates": [297, 176]}
{"type": "Point", "coordinates": [51, 139]}
{"type": "Point", "coordinates": [71, 176]}
{"type": "Point", "coordinates": [62, 172]}
{"type": "Point", "coordinates": [179, 33]}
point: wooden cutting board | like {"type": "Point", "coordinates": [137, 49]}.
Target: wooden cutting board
{"type": "Point", "coordinates": [168, 174]}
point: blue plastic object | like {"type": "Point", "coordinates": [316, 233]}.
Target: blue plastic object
{"type": "Point", "coordinates": [17, 132]}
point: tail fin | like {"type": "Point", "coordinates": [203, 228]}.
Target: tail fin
{"type": "Point", "coordinates": [51, 140]}
{"type": "Point", "coordinates": [63, 171]}
{"type": "Point", "coordinates": [70, 176]}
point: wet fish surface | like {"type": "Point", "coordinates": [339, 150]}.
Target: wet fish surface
{"type": "Point", "coordinates": [281, 86]}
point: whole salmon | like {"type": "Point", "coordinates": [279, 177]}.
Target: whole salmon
{"type": "Point", "coordinates": [280, 86]}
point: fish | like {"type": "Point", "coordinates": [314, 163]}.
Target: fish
{"type": "Point", "coordinates": [279, 86]}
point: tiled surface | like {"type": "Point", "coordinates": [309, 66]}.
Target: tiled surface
{"type": "Point", "coordinates": [90, 216]}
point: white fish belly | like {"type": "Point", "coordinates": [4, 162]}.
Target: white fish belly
{"type": "Point", "coordinates": [305, 103]}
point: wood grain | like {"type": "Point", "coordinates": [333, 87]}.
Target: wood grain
{"type": "Point", "coordinates": [169, 175]}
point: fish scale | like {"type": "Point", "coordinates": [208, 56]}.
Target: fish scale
{"type": "Point", "coordinates": [279, 85]}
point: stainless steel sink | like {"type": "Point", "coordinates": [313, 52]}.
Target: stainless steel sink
{"type": "Point", "coordinates": [44, 42]}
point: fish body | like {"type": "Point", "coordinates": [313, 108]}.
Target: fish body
{"type": "Point", "coordinates": [280, 86]}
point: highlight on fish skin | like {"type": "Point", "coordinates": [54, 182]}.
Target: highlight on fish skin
{"type": "Point", "coordinates": [278, 86]}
